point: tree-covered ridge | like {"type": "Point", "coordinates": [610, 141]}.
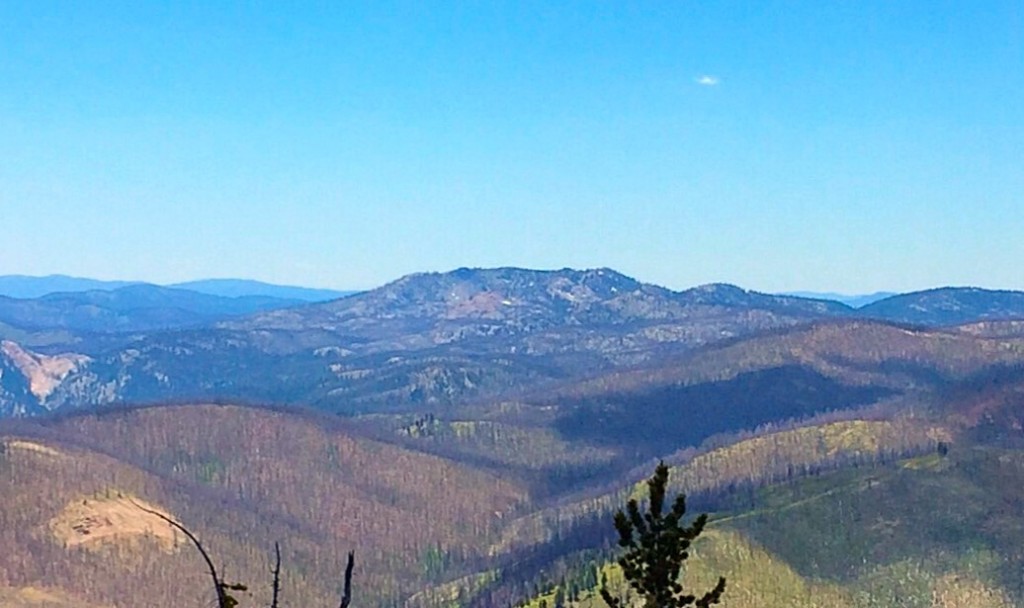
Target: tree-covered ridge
{"type": "Point", "coordinates": [948, 306]}
{"type": "Point", "coordinates": [854, 352]}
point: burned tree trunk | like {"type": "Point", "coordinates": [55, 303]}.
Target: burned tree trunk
{"type": "Point", "coordinates": [346, 595]}
{"type": "Point", "coordinates": [224, 599]}
{"type": "Point", "coordinates": [277, 575]}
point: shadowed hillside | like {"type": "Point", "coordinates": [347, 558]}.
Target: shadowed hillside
{"type": "Point", "coordinates": [797, 373]}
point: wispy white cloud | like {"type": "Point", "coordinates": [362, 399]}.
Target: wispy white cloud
{"type": "Point", "coordinates": [707, 80]}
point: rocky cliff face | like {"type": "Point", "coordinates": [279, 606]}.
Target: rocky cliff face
{"type": "Point", "coordinates": [28, 379]}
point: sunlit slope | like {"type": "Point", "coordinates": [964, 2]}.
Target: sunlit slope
{"type": "Point", "coordinates": [744, 463]}
{"type": "Point", "coordinates": [755, 578]}
{"type": "Point", "coordinates": [241, 478]}
{"type": "Point", "coordinates": [932, 531]}
{"type": "Point", "coordinates": [932, 506]}
{"type": "Point", "coordinates": [32, 597]}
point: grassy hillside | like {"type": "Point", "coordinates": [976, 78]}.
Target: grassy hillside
{"type": "Point", "coordinates": [927, 532]}
{"type": "Point", "coordinates": [32, 597]}
{"type": "Point", "coordinates": [743, 463]}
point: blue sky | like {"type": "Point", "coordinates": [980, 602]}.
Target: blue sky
{"type": "Point", "coordinates": [842, 146]}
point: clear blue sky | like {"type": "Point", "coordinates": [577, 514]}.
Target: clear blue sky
{"type": "Point", "coordinates": [845, 146]}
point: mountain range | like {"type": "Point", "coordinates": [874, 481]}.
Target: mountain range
{"type": "Point", "coordinates": [132, 308]}
{"type": "Point", "coordinates": [425, 340]}
{"type": "Point", "coordinates": [471, 433]}
{"type": "Point", "coordinates": [23, 286]}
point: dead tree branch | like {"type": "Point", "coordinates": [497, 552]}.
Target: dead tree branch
{"type": "Point", "coordinates": [224, 600]}
{"type": "Point", "coordinates": [346, 596]}
{"type": "Point", "coordinates": [277, 574]}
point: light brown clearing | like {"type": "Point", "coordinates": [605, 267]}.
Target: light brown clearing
{"type": "Point", "coordinates": [95, 521]}
{"type": "Point", "coordinates": [33, 597]}
{"type": "Point", "coordinates": [30, 446]}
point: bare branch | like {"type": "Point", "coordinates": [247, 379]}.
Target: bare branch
{"type": "Point", "coordinates": [218, 584]}
{"type": "Point", "coordinates": [277, 574]}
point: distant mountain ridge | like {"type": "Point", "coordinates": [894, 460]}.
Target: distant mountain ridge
{"type": "Point", "coordinates": [136, 307]}
{"type": "Point", "coordinates": [948, 306]}
{"type": "Point", "coordinates": [423, 340]}
{"type": "Point", "coordinates": [427, 338]}
{"type": "Point", "coordinates": [24, 287]}
{"type": "Point", "coordinates": [890, 305]}
{"type": "Point", "coordinates": [236, 288]}
{"type": "Point", "coordinates": [532, 297]}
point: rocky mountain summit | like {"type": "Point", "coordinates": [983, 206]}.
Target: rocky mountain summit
{"type": "Point", "coordinates": [430, 337]}
{"type": "Point", "coordinates": [439, 308]}
{"type": "Point", "coordinates": [427, 338]}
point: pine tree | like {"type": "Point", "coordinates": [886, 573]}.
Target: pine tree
{"type": "Point", "coordinates": [656, 546]}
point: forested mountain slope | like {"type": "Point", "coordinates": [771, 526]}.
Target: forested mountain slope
{"type": "Point", "coordinates": [240, 478]}
{"type": "Point", "coordinates": [440, 508]}
{"type": "Point", "coordinates": [845, 511]}
{"type": "Point", "coordinates": [786, 374]}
